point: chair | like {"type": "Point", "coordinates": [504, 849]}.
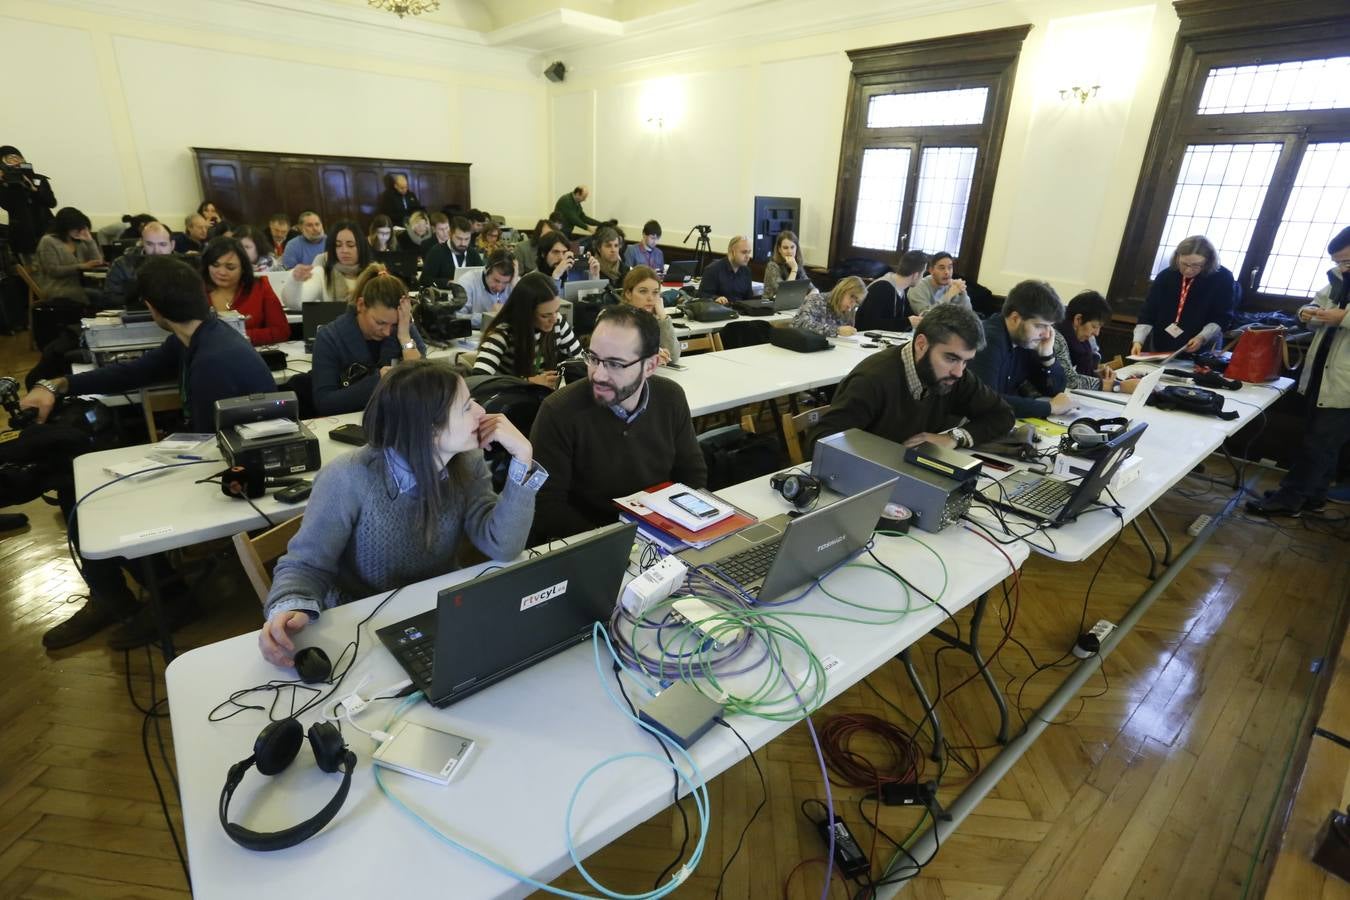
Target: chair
{"type": "Point", "coordinates": [743, 334]}
{"type": "Point", "coordinates": [256, 554]}
{"type": "Point", "coordinates": [153, 401]}
{"type": "Point", "coordinates": [35, 296]}
{"type": "Point", "coordinates": [698, 344]}
{"type": "Point", "coordinates": [796, 426]}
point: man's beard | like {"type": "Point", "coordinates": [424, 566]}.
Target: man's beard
{"type": "Point", "coordinates": [620, 393]}
{"type": "Point", "coordinates": [929, 378]}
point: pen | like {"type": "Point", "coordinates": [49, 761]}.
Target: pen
{"type": "Point", "coordinates": [189, 456]}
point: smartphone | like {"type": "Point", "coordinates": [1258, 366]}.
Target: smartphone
{"type": "Point", "coordinates": [993, 463]}
{"type": "Point", "coordinates": [295, 493]}
{"type": "Point", "coordinates": [694, 505]}
{"type": "Point", "coordinates": [349, 434]}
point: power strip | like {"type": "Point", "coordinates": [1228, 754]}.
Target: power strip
{"type": "Point", "coordinates": [1089, 644]}
{"type": "Point", "coordinates": [654, 585]}
{"type": "Point", "coordinates": [1199, 525]}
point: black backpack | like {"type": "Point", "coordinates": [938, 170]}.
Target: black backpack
{"type": "Point", "coordinates": [1192, 400]}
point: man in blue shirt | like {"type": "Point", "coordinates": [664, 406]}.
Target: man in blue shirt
{"type": "Point", "coordinates": [645, 252]}
{"type": "Point", "coordinates": [211, 361]}
{"type": "Point", "coordinates": [1018, 360]}
{"type": "Point", "coordinates": [729, 279]}
{"type": "Point", "coordinates": [487, 290]}
{"type": "Point", "coordinates": [309, 243]}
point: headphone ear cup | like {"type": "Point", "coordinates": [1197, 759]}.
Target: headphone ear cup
{"type": "Point", "coordinates": [277, 745]}
{"type": "Point", "coordinates": [1086, 433]}
{"type": "Point", "coordinates": [326, 742]}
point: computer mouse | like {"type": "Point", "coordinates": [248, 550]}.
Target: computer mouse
{"type": "Point", "coordinates": [313, 665]}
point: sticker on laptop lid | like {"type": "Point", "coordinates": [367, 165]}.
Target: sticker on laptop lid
{"type": "Point", "coordinates": [543, 596]}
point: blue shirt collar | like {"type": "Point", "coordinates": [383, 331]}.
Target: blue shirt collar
{"type": "Point", "coordinates": [627, 417]}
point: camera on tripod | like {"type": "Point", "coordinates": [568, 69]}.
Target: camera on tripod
{"type": "Point", "coordinates": [703, 232]}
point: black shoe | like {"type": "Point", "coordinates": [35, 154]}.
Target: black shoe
{"type": "Point", "coordinates": [1315, 506]}
{"type": "Point", "coordinates": [13, 521]}
{"type": "Point", "coordinates": [141, 629]}
{"type": "Point", "coordinates": [1276, 504]}
{"type": "Point", "coordinates": [96, 615]}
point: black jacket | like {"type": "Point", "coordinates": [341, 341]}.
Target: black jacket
{"type": "Point", "coordinates": [30, 211]}
{"type": "Point", "coordinates": [398, 206]}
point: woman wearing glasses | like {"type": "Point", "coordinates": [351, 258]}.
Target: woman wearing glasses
{"type": "Point", "coordinates": [528, 338]}
{"type": "Point", "coordinates": [1190, 303]}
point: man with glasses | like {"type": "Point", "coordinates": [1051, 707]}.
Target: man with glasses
{"type": "Point", "coordinates": [1325, 383]}
{"type": "Point", "coordinates": [618, 432]}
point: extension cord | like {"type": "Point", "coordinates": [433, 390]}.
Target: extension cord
{"type": "Point", "coordinates": [654, 585]}
{"type": "Point", "coordinates": [1198, 525]}
{"type": "Point", "coordinates": [1089, 644]}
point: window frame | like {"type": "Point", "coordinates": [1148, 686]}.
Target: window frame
{"type": "Point", "coordinates": [1216, 34]}
{"type": "Point", "coordinates": [983, 59]}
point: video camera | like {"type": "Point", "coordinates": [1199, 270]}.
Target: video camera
{"type": "Point", "coordinates": [19, 418]}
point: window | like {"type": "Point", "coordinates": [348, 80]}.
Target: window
{"type": "Point", "coordinates": [1251, 145]}
{"type": "Point", "coordinates": [921, 138]}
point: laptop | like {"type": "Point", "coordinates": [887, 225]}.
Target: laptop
{"type": "Point", "coordinates": [772, 558]}
{"type": "Point", "coordinates": [466, 274]}
{"type": "Point", "coordinates": [402, 263]}
{"type": "Point", "coordinates": [498, 624]}
{"type": "Point", "coordinates": [1055, 501]}
{"type": "Point", "coordinates": [791, 294]}
{"type": "Point", "coordinates": [572, 290]}
{"type": "Point", "coordinates": [679, 272]}
{"type": "Point", "coordinates": [315, 315]}
{"type": "Point", "coordinates": [1134, 407]}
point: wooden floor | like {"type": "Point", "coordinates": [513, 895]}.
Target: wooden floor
{"type": "Point", "coordinates": [1164, 780]}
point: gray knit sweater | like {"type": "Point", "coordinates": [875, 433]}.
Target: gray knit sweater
{"type": "Point", "coordinates": [360, 535]}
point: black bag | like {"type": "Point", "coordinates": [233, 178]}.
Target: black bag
{"type": "Point", "coordinates": [746, 333]}
{"type": "Point", "coordinates": [732, 456]}
{"type": "Point", "coordinates": [1192, 400]}
{"type": "Point", "coordinates": [585, 312]}
{"type": "Point", "coordinates": [799, 340]}
{"type": "Point", "coordinates": [55, 316]}
{"type": "Point", "coordinates": [708, 311]}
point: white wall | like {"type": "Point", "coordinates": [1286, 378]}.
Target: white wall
{"type": "Point", "coordinates": [767, 119]}
{"type": "Point", "coordinates": [119, 95]}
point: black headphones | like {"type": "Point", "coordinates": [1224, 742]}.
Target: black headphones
{"type": "Point", "coordinates": [799, 490]}
{"type": "Point", "coordinates": [275, 748]}
{"type": "Point", "coordinates": [1087, 436]}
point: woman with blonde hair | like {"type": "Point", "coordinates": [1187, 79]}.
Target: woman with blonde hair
{"type": "Point", "coordinates": [359, 347]}
{"type": "Point", "coordinates": [419, 236]}
{"type": "Point", "coordinates": [832, 316]}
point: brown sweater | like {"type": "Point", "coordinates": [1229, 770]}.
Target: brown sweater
{"type": "Point", "coordinates": [592, 456]}
{"type": "Point", "coordinates": [875, 397]}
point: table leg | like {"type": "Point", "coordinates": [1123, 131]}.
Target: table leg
{"type": "Point", "coordinates": [1162, 533]}
{"type": "Point", "coordinates": [930, 711]}
{"type": "Point", "coordinates": [1152, 556]}
{"type": "Point", "coordinates": [972, 647]}
{"type": "Point", "coordinates": [157, 606]}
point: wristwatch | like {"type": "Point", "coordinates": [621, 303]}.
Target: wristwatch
{"type": "Point", "coordinates": [51, 386]}
{"type": "Point", "coordinates": [1115, 387]}
{"type": "Point", "coordinates": [410, 345]}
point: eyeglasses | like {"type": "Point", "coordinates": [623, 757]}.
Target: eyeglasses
{"type": "Point", "coordinates": [611, 365]}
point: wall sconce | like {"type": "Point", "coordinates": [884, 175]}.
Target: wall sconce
{"type": "Point", "coordinates": [1081, 94]}
{"type": "Point", "coordinates": [656, 122]}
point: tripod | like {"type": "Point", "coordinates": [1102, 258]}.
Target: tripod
{"type": "Point", "coordinates": [701, 246]}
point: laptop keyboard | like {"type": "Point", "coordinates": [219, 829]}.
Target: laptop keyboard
{"type": "Point", "coordinates": [1044, 495]}
{"type": "Point", "coordinates": [416, 650]}
{"type": "Point", "coordinates": [751, 566]}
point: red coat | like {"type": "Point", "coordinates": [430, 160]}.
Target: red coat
{"type": "Point", "coordinates": [264, 319]}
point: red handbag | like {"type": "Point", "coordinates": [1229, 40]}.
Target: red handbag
{"type": "Point", "coordinates": [1260, 355]}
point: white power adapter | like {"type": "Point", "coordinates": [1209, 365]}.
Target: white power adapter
{"type": "Point", "coordinates": [1089, 644]}
{"type": "Point", "coordinates": [654, 585]}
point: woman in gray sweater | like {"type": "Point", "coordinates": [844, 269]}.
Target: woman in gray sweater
{"type": "Point", "coordinates": [393, 512]}
{"type": "Point", "coordinates": [65, 253]}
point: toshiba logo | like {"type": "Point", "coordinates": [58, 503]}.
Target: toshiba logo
{"type": "Point", "coordinates": [828, 544]}
{"type": "Point", "coordinates": [543, 596]}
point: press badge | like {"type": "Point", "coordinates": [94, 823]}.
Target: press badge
{"type": "Point", "coordinates": [1174, 330]}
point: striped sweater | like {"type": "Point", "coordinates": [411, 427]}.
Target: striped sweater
{"type": "Point", "coordinates": [496, 354]}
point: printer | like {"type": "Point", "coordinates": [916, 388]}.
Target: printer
{"type": "Point", "coordinates": [263, 433]}
{"type": "Point", "coordinates": [124, 331]}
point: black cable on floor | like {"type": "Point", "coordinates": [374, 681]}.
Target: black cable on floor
{"type": "Point", "coordinates": [764, 798]}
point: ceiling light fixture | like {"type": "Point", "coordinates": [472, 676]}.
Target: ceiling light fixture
{"type": "Point", "coordinates": [403, 8]}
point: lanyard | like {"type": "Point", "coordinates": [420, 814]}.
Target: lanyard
{"type": "Point", "coordinates": [1185, 291]}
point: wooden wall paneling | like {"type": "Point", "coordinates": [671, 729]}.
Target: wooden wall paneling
{"type": "Point", "coordinates": [249, 186]}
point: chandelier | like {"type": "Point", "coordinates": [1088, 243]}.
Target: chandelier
{"type": "Point", "coordinates": [407, 7]}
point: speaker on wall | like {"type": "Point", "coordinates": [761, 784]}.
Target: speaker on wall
{"type": "Point", "coordinates": [556, 72]}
